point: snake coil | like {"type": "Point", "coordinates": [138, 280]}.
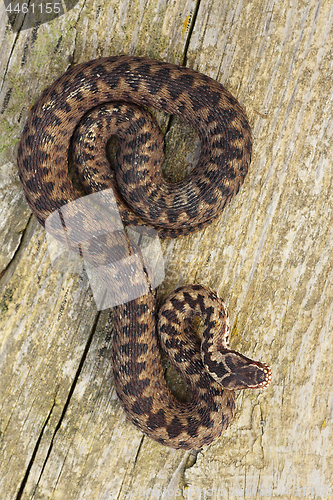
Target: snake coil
{"type": "Point", "coordinates": [87, 104]}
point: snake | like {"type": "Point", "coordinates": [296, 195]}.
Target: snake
{"type": "Point", "coordinates": [71, 123]}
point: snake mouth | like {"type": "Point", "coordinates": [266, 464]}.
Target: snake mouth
{"type": "Point", "coordinates": [266, 373]}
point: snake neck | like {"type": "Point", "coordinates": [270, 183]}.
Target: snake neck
{"type": "Point", "coordinates": [230, 369]}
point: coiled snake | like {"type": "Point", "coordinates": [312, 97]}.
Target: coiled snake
{"type": "Point", "coordinates": [145, 198]}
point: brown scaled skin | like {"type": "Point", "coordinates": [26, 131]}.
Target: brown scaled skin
{"type": "Point", "coordinates": [144, 198]}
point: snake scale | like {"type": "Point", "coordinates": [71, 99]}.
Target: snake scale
{"type": "Point", "coordinates": [91, 102]}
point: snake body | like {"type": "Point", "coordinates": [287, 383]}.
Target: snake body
{"type": "Point", "coordinates": [85, 106]}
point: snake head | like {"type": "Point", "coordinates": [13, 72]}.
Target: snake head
{"type": "Point", "coordinates": [234, 371]}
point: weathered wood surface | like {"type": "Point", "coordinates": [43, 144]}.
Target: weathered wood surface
{"type": "Point", "coordinates": [63, 433]}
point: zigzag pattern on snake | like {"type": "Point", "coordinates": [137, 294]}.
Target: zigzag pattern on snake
{"type": "Point", "coordinates": [86, 106]}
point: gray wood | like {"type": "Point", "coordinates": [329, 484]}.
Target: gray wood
{"type": "Point", "coordinates": [63, 433]}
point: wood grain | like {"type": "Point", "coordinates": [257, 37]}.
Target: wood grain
{"type": "Point", "coordinates": [62, 431]}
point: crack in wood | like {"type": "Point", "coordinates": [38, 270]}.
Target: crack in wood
{"type": "Point", "coordinates": [16, 37]}
{"type": "Point", "coordinates": [3, 278]}
{"type": "Point", "coordinates": [61, 419]}
{"type": "Point", "coordinates": [134, 465]}
{"type": "Point", "coordinates": [34, 453]}
{"type": "Point", "coordinates": [190, 31]}
{"type": "Point", "coordinates": [72, 61]}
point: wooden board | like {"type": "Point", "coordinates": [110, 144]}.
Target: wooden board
{"type": "Point", "coordinates": [63, 433]}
